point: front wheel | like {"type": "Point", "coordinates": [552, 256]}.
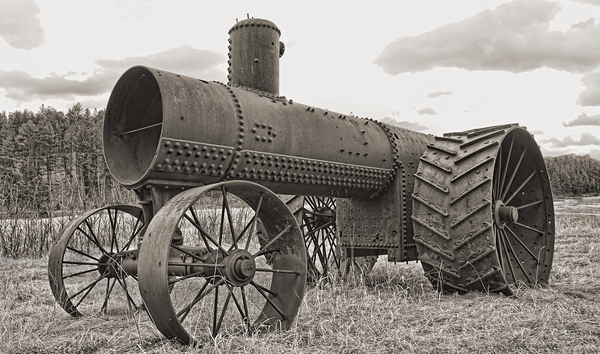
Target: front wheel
{"type": "Point", "coordinates": [205, 266]}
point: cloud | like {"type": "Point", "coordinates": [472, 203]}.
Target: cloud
{"type": "Point", "coordinates": [186, 60]}
{"type": "Point", "coordinates": [536, 132]}
{"type": "Point", "coordinates": [404, 124]}
{"type": "Point", "coordinates": [438, 94]}
{"type": "Point", "coordinates": [583, 119]}
{"type": "Point", "coordinates": [591, 95]}
{"type": "Point", "coordinates": [514, 37]}
{"type": "Point", "coordinates": [137, 14]}
{"type": "Point", "coordinates": [20, 25]}
{"type": "Point", "coordinates": [585, 139]}
{"type": "Point", "coordinates": [427, 110]}
{"type": "Point", "coordinates": [591, 2]}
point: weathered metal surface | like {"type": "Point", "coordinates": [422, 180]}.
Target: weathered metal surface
{"type": "Point", "coordinates": [382, 225]}
{"type": "Point", "coordinates": [483, 212]}
{"type": "Point", "coordinates": [238, 256]}
{"type": "Point", "coordinates": [254, 52]}
{"type": "Point", "coordinates": [163, 128]}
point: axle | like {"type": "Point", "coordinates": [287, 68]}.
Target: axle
{"type": "Point", "coordinates": [237, 266]}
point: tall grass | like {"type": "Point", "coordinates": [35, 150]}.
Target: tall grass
{"type": "Point", "coordinates": [393, 309]}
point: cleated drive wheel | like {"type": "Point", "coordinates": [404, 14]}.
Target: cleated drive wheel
{"type": "Point", "coordinates": [205, 267]}
{"type": "Point", "coordinates": [482, 211]}
{"type": "Point", "coordinates": [84, 265]}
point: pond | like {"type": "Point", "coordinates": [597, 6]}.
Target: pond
{"type": "Point", "coordinates": [578, 205]}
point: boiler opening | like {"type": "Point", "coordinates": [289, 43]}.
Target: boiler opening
{"type": "Point", "coordinates": [132, 125]}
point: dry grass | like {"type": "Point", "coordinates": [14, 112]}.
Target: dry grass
{"type": "Point", "coordinates": [393, 309]}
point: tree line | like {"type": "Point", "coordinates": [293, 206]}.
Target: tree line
{"type": "Point", "coordinates": [52, 162]}
{"type": "Point", "coordinates": [572, 175]}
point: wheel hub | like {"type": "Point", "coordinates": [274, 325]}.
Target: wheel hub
{"type": "Point", "coordinates": [240, 267]}
{"type": "Point", "coordinates": [108, 264]}
{"type": "Point", "coordinates": [504, 213]}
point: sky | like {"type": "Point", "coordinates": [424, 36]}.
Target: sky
{"type": "Point", "coordinates": [434, 66]}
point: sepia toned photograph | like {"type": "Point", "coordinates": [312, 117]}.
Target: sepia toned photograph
{"type": "Point", "coordinates": [300, 177]}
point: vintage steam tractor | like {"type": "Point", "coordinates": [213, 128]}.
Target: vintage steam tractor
{"type": "Point", "coordinates": [211, 246]}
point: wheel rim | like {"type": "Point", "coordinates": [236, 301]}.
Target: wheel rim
{"type": "Point", "coordinates": [482, 211]}
{"type": "Point", "coordinates": [523, 211]}
{"type": "Point", "coordinates": [255, 282]}
{"type": "Point", "coordinates": [319, 229]}
{"type": "Point", "coordinates": [83, 269]}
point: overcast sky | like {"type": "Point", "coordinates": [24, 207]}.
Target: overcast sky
{"type": "Point", "coordinates": [433, 66]}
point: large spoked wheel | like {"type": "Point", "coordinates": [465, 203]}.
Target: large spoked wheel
{"type": "Point", "coordinates": [482, 211]}
{"type": "Point", "coordinates": [204, 269]}
{"type": "Point", "coordinates": [85, 265]}
{"type": "Point", "coordinates": [317, 223]}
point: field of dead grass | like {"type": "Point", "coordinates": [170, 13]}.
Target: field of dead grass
{"type": "Point", "coordinates": [393, 309]}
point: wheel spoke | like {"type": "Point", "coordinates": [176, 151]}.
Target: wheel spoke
{"type": "Point", "coordinates": [506, 253]}
{"type": "Point", "coordinates": [321, 227]}
{"type": "Point", "coordinates": [501, 185]}
{"type": "Point", "coordinates": [88, 288]}
{"type": "Point", "coordinates": [134, 234]}
{"type": "Point", "coordinates": [197, 226]}
{"type": "Point", "coordinates": [83, 253]}
{"type": "Point", "coordinates": [181, 315]}
{"type": "Point", "coordinates": [523, 245]}
{"type": "Point", "coordinates": [181, 278]}
{"type": "Point", "coordinates": [222, 224]}
{"type": "Point", "coordinates": [512, 250]}
{"type": "Point", "coordinates": [499, 248]}
{"type": "Point", "coordinates": [245, 303]}
{"type": "Point", "coordinates": [278, 271]}
{"type": "Point", "coordinates": [215, 308]}
{"type": "Point", "coordinates": [254, 220]}
{"type": "Point", "coordinates": [114, 242]}
{"type": "Point", "coordinates": [195, 222]}
{"type": "Point", "coordinates": [264, 294]}
{"type": "Point", "coordinates": [530, 204]}
{"type": "Point", "coordinates": [520, 187]}
{"type": "Point", "coordinates": [514, 173]}
{"type": "Point", "coordinates": [109, 289]}
{"type": "Point", "coordinates": [92, 239]}
{"type": "Point", "coordinates": [225, 306]}
{"type": "Point", "coordinates": [253, 283]}
{"type": "Point", "coordinates": [229, 217]}
{"type": "Point", "coordinates": [85, 263]}
{"type": "Point", "coordinates": [263, 249]}
{"type": "Point", "coordinates": [130, 301]}
{"type": "Point", "coordinates": [237, 303]}
{"type": "Point", "coordinates": [529, 228]}
{"type": "Point", "coordinates": [80, 273]}
{"type": "Point", "coordinates": [201, 294]}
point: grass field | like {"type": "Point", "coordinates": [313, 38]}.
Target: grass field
{"type": "Point", "coordinates": [393, 309]}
